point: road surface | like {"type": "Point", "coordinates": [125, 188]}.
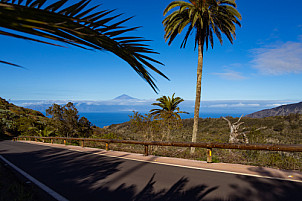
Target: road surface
{"type": "Point", "coordinates": [81, 176]}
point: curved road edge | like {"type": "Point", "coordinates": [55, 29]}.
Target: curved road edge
{"type": "Point", "coordinates": [45, 188]}
{"type": "Point", "coordinates": [228, 168]}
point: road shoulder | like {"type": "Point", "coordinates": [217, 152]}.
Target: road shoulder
{"type": "Point", "coordinates": [239, 169]}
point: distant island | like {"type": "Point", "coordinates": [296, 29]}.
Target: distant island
{"type": "Point", "coordinates": [126, 103]}
{"type": "Point", "coordinates": [125, 97]}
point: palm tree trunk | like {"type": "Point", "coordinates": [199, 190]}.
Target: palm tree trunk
{"type": "Point", "coordinates": [198, 93]}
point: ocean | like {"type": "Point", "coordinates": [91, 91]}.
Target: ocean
{"type": "Point", "coordinates": [106, 119]}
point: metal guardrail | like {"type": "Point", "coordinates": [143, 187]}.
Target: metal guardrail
{"type": "Point", "coordinates": [208, 146]}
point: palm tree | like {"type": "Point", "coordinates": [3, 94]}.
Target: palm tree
{"type": "Point", "coordinates": [77, 25]}
{"type": "Point", "coordinates": [205, 18]}
{"type": "Point", "coordinates": [168, 106]}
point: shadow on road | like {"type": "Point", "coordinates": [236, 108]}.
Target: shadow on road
{"type": "Point", "coordinates": [73, 175]}
{"type": "Point", "coordinates": [176, 192]}
{"type": "Point", "coordinates": [266, 190]}
{"type": "Point", "coordinates": [82, 176]}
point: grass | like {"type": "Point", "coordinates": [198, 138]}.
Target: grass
{"type": "Point", "coordinates": [14, 188]}
{"type": "Point", "coordinates": [274, 130]}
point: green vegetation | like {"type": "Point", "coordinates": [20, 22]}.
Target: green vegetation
{"type": "Point", "coordinates": [274, 130]}
{"type": "Point", "coordinates": [20, 121]}
{"type": "Point", "coordinates": [74, 24]}
{"type": "Point", "coordinates": [205, 18]}
{"type": "Point", "coordinates": [168, 106]}
{"type": "Point", "coordinates": [14, 189]}
{"type": "Point", "coordinates": [64, 121]}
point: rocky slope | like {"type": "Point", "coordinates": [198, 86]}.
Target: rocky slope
{"type": "Point", "coordinates": [282, 110]}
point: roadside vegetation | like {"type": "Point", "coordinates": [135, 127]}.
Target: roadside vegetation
{"type": "Point", "coordinates": [63, 121]}
{"type": "Point", "coordinates": [273, 130]}
{"type": "Point", "coordinates": [163, 125]}
{"type": "Point", "coordinates": [14, 189]}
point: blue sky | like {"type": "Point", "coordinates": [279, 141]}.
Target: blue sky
{"type": "Point", "coordinates": [264, 63]}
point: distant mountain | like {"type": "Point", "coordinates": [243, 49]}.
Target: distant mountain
{"type": "Point", "coordinates": [125, 103]}
{"type": "Point", "coordinates": [125, 97]}
{"type": "Point", "coordinates": [282, 110]}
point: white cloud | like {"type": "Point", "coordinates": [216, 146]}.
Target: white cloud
{"type": "Point", "coordinates": [230, 75]}
{"type": "Point", "coordinates": [219, 105]}
{"type": "Point", "coordinates": [277, 60]}
{"type": "Point", "coordinates": [235, 105]}
{"type": "Point", "coordinates": [273, 105]}
{"type": "Point", "coordinates": [245, 105]}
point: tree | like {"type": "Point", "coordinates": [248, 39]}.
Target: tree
{"type": "Point", "coordinates": [167, 107]}
{"type": "Point", "coordinates": [76, 25]}
{"type": "Point", "coordinates": [205, 18]}
{"type": "Point", "coordinates": [66, 121]}
{"type": "Point", "coordinates": [234, 131]}
{"type": "Point", "coordinates": [168, 114]}
{"type": "Point", "coordinates": [85, 129]}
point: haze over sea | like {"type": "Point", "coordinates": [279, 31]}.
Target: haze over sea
{"type": "Point", "coordinates": [105, 119]}
{"type": "Point", "coordinates": [117, 110]}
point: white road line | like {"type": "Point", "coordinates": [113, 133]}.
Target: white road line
{"type": "Point", "coordinates": [33, 180]}
{"type": "Point", "coordinates": [183, 166]}
{"type": "Point", "coordinates": [189, 167]}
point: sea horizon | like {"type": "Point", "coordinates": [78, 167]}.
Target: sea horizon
{"type": "Point", "coordinates": [102, 119]}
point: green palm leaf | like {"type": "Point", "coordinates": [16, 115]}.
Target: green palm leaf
{"type": "Point", "coordinates": [205, 17]}
{"type": "Point", "coordinates": [75, 25]}
{"type": "Point", "coordinates": [168, 106]}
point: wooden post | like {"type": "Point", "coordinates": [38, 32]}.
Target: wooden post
{"type": "Point", "coordinates": [51, 141]}
{"type": "Point", "coordinates": [209, 155]}
{"type": "Point", "coordinates": [65, 142]}
{"type": "Point", "coordinates": [146, 150]}
{"type": "Point", "coordinates": [36, 140]}
{"type": "Point", "coordinates": [82, 143]}
{"type": "Point", "coordinates": [107, 146]}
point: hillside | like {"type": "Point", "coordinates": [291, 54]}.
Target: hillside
{"type": "Point", "coordinates": [268, 130]}
{"type": "Point", "coordinates": [15, 120]}
{"type": "Point", "coordinates": [64, 121]}
{"type": "Point", "coordinates": [282, 110]}
{"type": "Point", "coordinates": [5, 106]}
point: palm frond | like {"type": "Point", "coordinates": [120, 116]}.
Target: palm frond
{"type": "Point", "coordinates": [11, 64]}
{"type": "Point", "coordinates": [205, 17]}
{"type": "Point", "coordinates": [79, 26]}
{"type": "Point", "coordinates": [167, 105]}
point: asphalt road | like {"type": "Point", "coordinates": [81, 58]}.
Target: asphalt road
{"type": "Point", "coordinates": [80, 176]}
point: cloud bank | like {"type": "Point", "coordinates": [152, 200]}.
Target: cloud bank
{"type": "Point", "coordinates": [230, 75]}
{"type": "Point", "coordinates": [278, 60]}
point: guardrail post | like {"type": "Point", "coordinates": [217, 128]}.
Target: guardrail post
{"type": "Point", "coordinates": [107, 146]}
{"type": "Point", "coordinates": [51, 141]}
{"type": "Point", "coordinates": [82, 143]}
{"type": "Point", "coordinates": [146, 150]}
{"type": "Point", "coordinates": [36, 139]}
{"type": "Point", "coordinates": [64, 141]}
{"type": "Point", "coordinates": [209, 155]}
